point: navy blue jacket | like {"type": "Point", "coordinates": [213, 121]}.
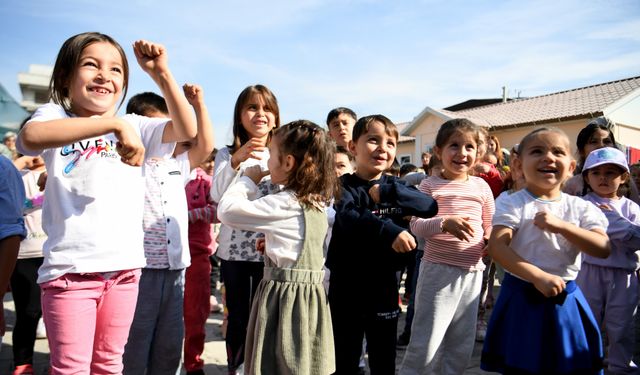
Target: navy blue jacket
{"type": "Point", "coordinates": [361, 260]}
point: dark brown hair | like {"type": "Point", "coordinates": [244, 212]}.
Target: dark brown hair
{"type": "Point", "coordinates": [455, 126]}
{"type": "Point", "coordinates": [362, 126]}
{"type": "Point", "coordinates": [240, 135]}
{"type": "Point", "coordinates": [313, 178]}
{"type": "Point", "coordinates": [67, 64]}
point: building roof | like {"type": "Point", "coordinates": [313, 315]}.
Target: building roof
{"type": "Point", "coordinates": [403, 138]}
{"type": "Point", "coordinates": [584, 102]}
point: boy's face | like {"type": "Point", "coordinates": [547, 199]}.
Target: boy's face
{"type": "Point", "coordinates": [374, 151]}
{"type": "Point", "coordinates": [341, 129]}
{"type": "Point", "coordinates": [343, 164]}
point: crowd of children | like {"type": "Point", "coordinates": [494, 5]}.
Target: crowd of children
{"type": "Point", "coordinates": [111, 221]}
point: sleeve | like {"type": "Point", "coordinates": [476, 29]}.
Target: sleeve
{"type": "Point", "coordinates": [12, 197]}
{"type": "Point", "coordinates": [236, 210]}
{"type": "Point", "coordinates": [592, 217]}
{"type": "Point", "coordinates": [412, 201]}
{"type": "Point", "coordinates": [151, 130]}
{"type": "Point", "coordinates": [46, 112]}
{"type": "Point", "coordinates": [359, 220]}
{"type": "Point", "coordinates": [507, 213]}
{"type": "Point", "coordinates": [623, 229]}
{"type": "Point", "coordinates": [223, 174]}
{"type": "Point", "coordinates": [426, 228]}
{"type": "Point", "coordinates": [488, 209]}
{"type": "Point", "coordinates": [208, 214]}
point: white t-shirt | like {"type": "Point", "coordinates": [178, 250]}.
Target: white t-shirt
{"type": "Point", "coordinates": [550, 252]}
{"type": "Point", "coordinates": [93, 205]}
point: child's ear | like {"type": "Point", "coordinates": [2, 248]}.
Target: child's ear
{"type": "Point", "coordinates": [438, 152]}
{"type": "Point", "coordinates": [572, 166]}
{"type": "Point", "coordinates": [289, 163]}
{"type": "Point", "coordinates": [624, 177]}
{"type": "Point", "coordinates": [352, 147]}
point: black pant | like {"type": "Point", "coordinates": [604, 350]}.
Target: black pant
{"type": "Point", "coordinates": [26, 296]}
{"type": "Point", "coordinates": [240, 282]}
{"type": "Point", "coordinates": [351, 325]}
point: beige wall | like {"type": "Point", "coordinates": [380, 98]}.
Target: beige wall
{"type": "Point", "coordinates": [425, 133]}
{"type": "Point", "coordinates": [406, 148]}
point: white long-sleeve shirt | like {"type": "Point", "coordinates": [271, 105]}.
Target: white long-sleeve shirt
{"type": "Point", "coordinates": [278, 216]}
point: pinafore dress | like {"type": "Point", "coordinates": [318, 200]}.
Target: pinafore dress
{"type": "Point", "coordinates": [289, 329]}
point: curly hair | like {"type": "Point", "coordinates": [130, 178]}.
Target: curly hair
{"type": "Point", "coordinates": [313, 179]}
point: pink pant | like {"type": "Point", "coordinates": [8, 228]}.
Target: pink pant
{"type": "Point", "coordinates": [87, 320]}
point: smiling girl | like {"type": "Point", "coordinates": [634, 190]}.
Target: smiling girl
{"type": "Point", "coordinates": [541, 323]}
{"type": "Point", "coordinates": [448, 287]}
{"type": "Point", "coordinates": [89, 278]}
{"type": "Point", "coordinates": [611, 285]}
{"type": "Point", "coordinates": [255, 116]}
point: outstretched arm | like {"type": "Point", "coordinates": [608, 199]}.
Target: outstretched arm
{"type": "Point", "coordinates": [39, 135]}
{"type": "Point", "coordinates": [152, 58]}
{"type": "Point", "coordinates": [204, 140]}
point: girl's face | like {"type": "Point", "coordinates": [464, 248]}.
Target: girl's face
{"type": "Point", "coordinates": [257, 118]}
{"type": "Point", "coordinates": [458, 155]}
{"type": "Point", "coordinates": [343, 164]}
{"type": "Point", "coordinates": [278, 164]}
{"type": "Point", "coordinates": [208, 166]}
{"type": "Point", "coordinates": [482, 146]}
{"type": "Point", "coordinates": [97, 82]}
{"type": "Point", "coordinates": [605, 179]}
{"type": "Point", "coordinates": [546, 163]}
{"type": "Point", "coordinates": [599, 139]}
{"type": "Point", "coordinates": [492, 145]}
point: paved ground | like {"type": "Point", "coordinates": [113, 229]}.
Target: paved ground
{"type": "Point", "coordinates": [214, 356]}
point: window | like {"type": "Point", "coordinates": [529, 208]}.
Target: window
{"type": "Point", "coordinates": [404, 159]}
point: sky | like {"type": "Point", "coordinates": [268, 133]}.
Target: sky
{"type": "Point", "coordinates": [389, 57]}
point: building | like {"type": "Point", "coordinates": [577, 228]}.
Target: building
{"type": "Point", "coordinates": [34, 86]}
{"type": "Point", "coordinates": [568, 110]}
{"type": "Point", "coordinates": [11, 113]}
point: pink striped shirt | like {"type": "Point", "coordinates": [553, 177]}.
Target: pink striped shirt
{"type": "Point", "coordinates": [472, 199]}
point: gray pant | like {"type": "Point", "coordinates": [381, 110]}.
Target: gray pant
{"type": "Point", "coordinates": [443, 330]}
{"type": "Point", "coordinates": [612, 294]}
{"type": "Point", "coordinates": [157, 331]}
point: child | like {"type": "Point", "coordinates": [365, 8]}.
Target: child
{"type": "Point", "coordinates": [369, 231]}
{"type": "Point", "coordinates": [448, 287]}
{"type": "Point", "coordinates": [340, 124]}
{"type": "Point", "coordinates": [255, 116]}
{"type": "Point", "coordinates": [155, 336]}
{"type": "Point", "coordinates": [344, 161]}
{"type": "Point", "coordinates": [289, 329]}
{"type": "Point", "coordinates": [94, 198]}
{"type": "Point", "coordinates": [541, 323]}
{"type": "Point", "coordinates": [611, 285]}
{"type": "Point", "coordinates": [12, 229]}
{"type": "Point", "coordinates": [25, 289]}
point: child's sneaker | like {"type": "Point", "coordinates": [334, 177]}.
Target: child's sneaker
{"type": "Point", "coordinates": [481, 330]}
{"type": "Point", "coordinates": [23, 370]}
